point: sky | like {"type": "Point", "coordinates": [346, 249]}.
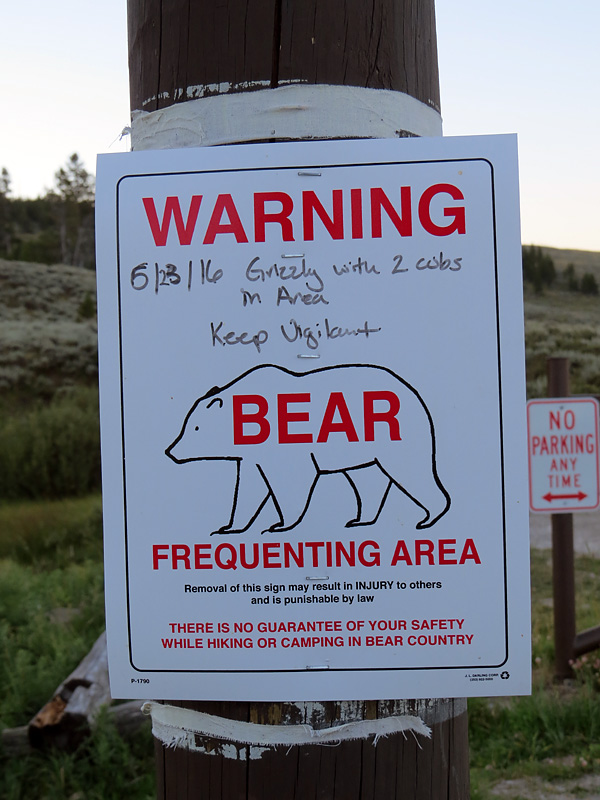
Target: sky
{"type": "Point", "coordinates": [529, 67]}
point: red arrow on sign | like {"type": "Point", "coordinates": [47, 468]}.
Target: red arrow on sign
{"type": "Point", "coordinates": [550, 497]}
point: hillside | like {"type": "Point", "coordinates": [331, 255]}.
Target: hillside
{"type": "Point", "coordinates": [582, 260]}
{"type": "Point", "coordinates": [48, 332]}
{"type": "Point", "coordinates": [564, 323]}
{"type": "Point", "coordinates": [48, 327]}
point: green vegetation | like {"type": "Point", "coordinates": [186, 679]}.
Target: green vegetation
{"type": "Point", "coordinates": [589, 284]}
{"type": "Point", "coordinates": [46, 534]}
{"type": "Point", "coordinates": [39, 653]}
{"type": "Point", "coordinates": [540, 273]}
{"type": "Point", "coordinates": [52, 451]}
{"type": "Point", "coordinates": [538, 268]}
{"type": "Point", "coordinates": [51, 607]}
{"type": "Point", "coordinates": [580, 342]}
{"type": "Point", "coordinates": [106, 767]}
{"type": "Point", "coordinates": [48, 335]}
{"type": "Point", "coordinates": [564, 322]}
{"type": "Point", "coordinates": [55, 228]}
{"type": "Point", "coordinates": [51, 570]}
{"type": "Point", "coordinates": [51, 612]}
{"type": "Point", "coordinates": [51, 585]}
{"type": "Point", "coordinates": [555, 733]}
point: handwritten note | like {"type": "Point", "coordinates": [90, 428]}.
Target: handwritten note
{"type": "Point", "coordinates": [292, 282]}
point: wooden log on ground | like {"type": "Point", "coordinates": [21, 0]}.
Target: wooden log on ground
{"type": "Point", "coordinates": [15, 741]}
{"type": "Point", "coordinates": [128, 719]}
{"type": "Point", "coordinates": [67, 718]}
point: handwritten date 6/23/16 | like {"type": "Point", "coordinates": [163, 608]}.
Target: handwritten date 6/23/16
{"type": "Point", "coordinates": [165, 275]}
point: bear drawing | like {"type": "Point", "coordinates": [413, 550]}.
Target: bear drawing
{"type": "Point", "coordinates": [285, 429]}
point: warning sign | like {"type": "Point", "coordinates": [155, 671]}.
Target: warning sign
{"type": "Point", "coordinates": [313, 420]}
{"type": "Point", "coordinates": [563, 455]}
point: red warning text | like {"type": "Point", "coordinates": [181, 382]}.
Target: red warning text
{"type": "Point", "coordinates": [279, 216]}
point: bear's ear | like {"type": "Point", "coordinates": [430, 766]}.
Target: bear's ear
{"type": "Point", "coordinates": [215, 400]}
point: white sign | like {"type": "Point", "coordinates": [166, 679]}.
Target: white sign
{"type": "Point", "coordinates": [564, 470]}
{"type": "Point", "coordinates": [313, 420]}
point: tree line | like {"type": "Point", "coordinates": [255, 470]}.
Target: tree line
{"type": "Point", "coordinates": [56, 228]}
{"type": "Point", "coordinates": [540, 272]}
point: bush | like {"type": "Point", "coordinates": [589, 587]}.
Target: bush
{"type": "Point", "coordinates": [52, 451]}
{"type": "Point", "coordinates": [538, 268]}
{"type": "Point", "coordinates": [589, 284]}
{"type": "Point", "coordinates": [87, 307]}
{"type": "Point", "coordinates": [570, 278]}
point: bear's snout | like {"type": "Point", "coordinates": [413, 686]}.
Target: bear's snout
{"type": "Point", "coordinates": [174, 451]}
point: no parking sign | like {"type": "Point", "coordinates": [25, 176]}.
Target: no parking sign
{"type": "Point", "coordinates": [564, 467]}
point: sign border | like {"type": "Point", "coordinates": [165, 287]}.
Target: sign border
{"type": "Point", "coordinates": [283, 167]}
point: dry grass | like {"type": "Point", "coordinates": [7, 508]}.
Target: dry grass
{"type": "Point", "coordinates": [45, 340]}
{"type": "Point", "coordinates": [567, 324]}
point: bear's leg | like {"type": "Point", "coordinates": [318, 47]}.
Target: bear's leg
{"type": "Point", "coordinates": [291, 490]}
{"type": "Point", "coordinates": [371, 487]}
{"type": "Point", "coordinates": [422, 485]}
{"type": "Point", "coordinates": [251, 494]}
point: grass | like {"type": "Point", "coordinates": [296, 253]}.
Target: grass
{"type": "Point", "coordinates": [51, 449]}
{"type": "Point", "coordinates": [51, 612]}
{"type": "Point", "coordinates": [106, 767]}
{"type": "Point", "coordinates": [46, 533]}
{"type": "Point", "coordinates": [48, 331]}
{"type": "Point", "coordinates": [567, 324]}
{"type": "Point", "coordinates": [51, 607]}
{"type": "Point", "coordinates": [555, 733]}
{"type": "Point", "coordinates": [40, 649]}
{"type": "Point", "coordinates": [51, 598]}
{"type": "Point", "coordinates": [51, 582]}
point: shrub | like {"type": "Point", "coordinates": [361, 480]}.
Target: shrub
{"type": "Point", "coordinates": [538, 268]}
{"type": "Point", "coordinates": [52, 451]}
{"type": "Point", "coordinates": [589, 284]}
{"type": "Point", "coordinates": [87, 307]}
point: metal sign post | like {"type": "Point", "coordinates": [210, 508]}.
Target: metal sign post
{"type": "Point", "coordinates": [564, 477]}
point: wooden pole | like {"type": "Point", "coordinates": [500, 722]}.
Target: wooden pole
{"type": "Point", "coordinates": [563, 558]}
{"type": "Point", "coordinates": [204, 73]}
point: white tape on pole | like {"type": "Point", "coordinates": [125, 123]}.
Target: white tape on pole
{"type": "Point", "coordinates": [179, 727]}
{"type": "Point", "coordinates": [298, 111]}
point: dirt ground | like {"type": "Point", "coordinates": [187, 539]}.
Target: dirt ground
{"type": "Point", "coordinates": [587, 787]}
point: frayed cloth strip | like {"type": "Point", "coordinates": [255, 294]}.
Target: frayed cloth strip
{"type": "Point", "coordinates": [178, 728]}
